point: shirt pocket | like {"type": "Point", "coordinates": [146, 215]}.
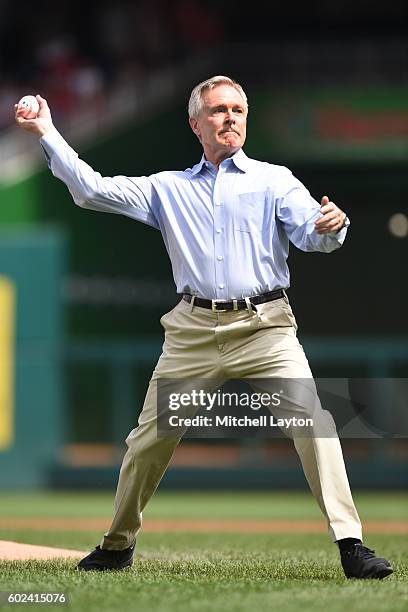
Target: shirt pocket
{"type": "Point", "coordinates": [248, 212]}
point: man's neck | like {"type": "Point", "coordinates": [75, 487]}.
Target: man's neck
{"type": "Point", "coordinates": [217, 158]}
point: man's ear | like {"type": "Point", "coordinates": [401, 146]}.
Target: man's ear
{"type": "Point", "coordinates": [194, 126]}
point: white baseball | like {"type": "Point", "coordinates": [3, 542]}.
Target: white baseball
{"type": "Point", "coordinates": [30, 106]}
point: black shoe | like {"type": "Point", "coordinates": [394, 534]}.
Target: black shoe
{"type": "Point", "coordinates": [101, 559]}
{"type": "Point", "coordinates": [361, 562]}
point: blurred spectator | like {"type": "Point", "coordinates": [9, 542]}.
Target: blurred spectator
{"type": "Point", "coordinates": [9, 95]}
{"type": "Point", "coordinates": [68, 80]}
{"type": "Point", "coordinates": [78, 53]}
{"type": "Point", "coordinates": [198, 27]}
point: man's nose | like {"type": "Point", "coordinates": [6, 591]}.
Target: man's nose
{"type": "Point", "coordinates": [229, 117]}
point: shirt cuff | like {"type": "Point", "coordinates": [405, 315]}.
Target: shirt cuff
{"type": "Point", "coordinates": [339, 235]}
{"type": "Point", "coordinates": [51, 142]}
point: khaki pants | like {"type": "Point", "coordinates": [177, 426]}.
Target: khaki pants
{"type": "Point", "coordinates": [257, 343]}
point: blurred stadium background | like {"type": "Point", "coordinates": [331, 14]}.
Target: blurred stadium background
{"type": "Point", "coordinates": [81, 293]}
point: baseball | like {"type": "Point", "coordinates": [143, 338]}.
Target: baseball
{"type": "Point", "coordinates": [30, 106]}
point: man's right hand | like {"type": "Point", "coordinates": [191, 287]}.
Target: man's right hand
{"type": "Point", "coordinates": [39, 126]}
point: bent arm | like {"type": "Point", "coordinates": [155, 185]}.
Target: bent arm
{"type": "Point", "coordinates": [130, 196]}
{"type": "Point", "coordinates": [298, 212]}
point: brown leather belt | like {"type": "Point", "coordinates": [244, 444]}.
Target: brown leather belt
{"type": "Point", "coordinates": [225, 305]}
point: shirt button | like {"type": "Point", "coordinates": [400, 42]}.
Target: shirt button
{"type": "Point", "coordinates": [218, 231]}
{"type": "Point", "coordinates": [221, 286]}
{"type": "Point", "coordinates": [218, 203]}
{"type": "Point", "coordinates": [220, 257]}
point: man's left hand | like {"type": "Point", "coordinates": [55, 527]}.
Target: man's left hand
{"type": "Point", "coordinates": [332, 218]}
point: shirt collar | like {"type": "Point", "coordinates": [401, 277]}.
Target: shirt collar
{"type": "Point", "coordinates": [239, 158]}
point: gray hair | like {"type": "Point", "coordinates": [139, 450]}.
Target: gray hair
{"type": "Point", "coordinates": [196, 103]}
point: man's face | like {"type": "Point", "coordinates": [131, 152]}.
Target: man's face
{"type": "Point", "coordinates": [221, 125]}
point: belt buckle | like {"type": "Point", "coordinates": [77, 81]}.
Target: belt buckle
{"type": "Point", "coordinates": [214, 306]}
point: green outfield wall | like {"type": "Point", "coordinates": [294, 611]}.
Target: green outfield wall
{"type": "Point", "coordinates": [32, 262]}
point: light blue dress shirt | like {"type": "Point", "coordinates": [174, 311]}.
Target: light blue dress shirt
{"type": "Point", "coordinates": [227, 231]}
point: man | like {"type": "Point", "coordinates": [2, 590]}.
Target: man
{"type": "Point", "coordinates": [226, 224]}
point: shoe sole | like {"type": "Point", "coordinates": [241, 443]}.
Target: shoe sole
{"type": "Point", "coordinates": [378, 572]}
{"type": "Point", "coordinates": [103, 568]}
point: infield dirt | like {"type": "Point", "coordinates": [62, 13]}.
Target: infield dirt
{"type": "Point", "coordinates": [15, 551]}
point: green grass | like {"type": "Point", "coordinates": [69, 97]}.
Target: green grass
{"type": "Point", "coordinates": [250, 505]}
{"type": "Point", "coordinates": [211, 572]}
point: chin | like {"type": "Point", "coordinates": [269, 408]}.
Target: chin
{"type": "Point", "coordinates": [232, 145]}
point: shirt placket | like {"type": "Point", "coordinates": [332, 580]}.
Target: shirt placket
{"type": "Point", "coordinates": [219, 235]}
